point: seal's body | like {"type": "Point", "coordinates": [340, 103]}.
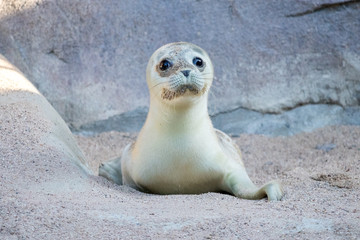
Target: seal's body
{"type": "Point", "coordinates": [178, 150]}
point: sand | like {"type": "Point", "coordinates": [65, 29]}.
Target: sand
{"type": "Point", "coordinates": [319, 170]}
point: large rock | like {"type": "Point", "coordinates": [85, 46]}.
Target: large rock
{"type": "Point", "coordinates": [88, 57]}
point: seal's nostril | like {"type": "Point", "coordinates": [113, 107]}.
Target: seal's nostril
{"type": "Point", "coordinates": [186, 73]}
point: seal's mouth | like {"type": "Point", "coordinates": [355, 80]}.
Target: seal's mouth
{"type": "Point", "coordinates": [180, 91]}
{"type": "Point", "coordinates": [183, 88]}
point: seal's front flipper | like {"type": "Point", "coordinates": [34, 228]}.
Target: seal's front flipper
{"type": "Point", "coordinates": [112, 170]}
{"type": "Point", "coordinates": [273, 191]}
{"type": "Point", "coordinates": [239, 184]}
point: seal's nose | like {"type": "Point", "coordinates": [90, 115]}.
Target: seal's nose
{"type": "Point", "coordinates": [186, 73]}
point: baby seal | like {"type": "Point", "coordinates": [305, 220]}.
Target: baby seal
{"type": "Point", "coordinates": [178, 151]}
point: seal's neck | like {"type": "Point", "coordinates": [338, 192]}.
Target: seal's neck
{"type": "Point", "coordinates": [178, 116]}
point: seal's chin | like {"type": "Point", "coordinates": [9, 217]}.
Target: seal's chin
{"type": "Point", "coordinates": [181, 91]}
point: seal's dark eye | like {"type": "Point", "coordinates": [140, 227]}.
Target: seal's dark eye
{"type": "Point", "coordinates": [198, 62]}
{"type": "Point", "coordinates": [164, 65]}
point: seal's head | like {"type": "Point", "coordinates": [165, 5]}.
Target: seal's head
{"type": "Point", "coordinates": [179, 71]}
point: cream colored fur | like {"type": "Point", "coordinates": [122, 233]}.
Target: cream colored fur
{"type": "Point", "coordinates": [178, 151]}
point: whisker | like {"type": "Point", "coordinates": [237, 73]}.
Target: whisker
{"type": "Point", "coordinates": [206, 74]}
{"type": "Point", "coordinates": [158, 84]}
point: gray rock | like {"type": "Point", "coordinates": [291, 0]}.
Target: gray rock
{"type": "Point", "coordinates": [131, 121]}
{"type": "Point", "coordinates": [304, 118]}
{"type": "Point", "coordinates": [88, 57]}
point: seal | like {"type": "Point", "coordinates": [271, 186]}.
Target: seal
{"type": "Point", "coordinates": [178, 151]}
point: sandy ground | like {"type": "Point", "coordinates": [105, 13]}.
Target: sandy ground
{"type": "Point", "coordinates": [44, 197]}
{"type": "Point", "coordinates": [319, 170]}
